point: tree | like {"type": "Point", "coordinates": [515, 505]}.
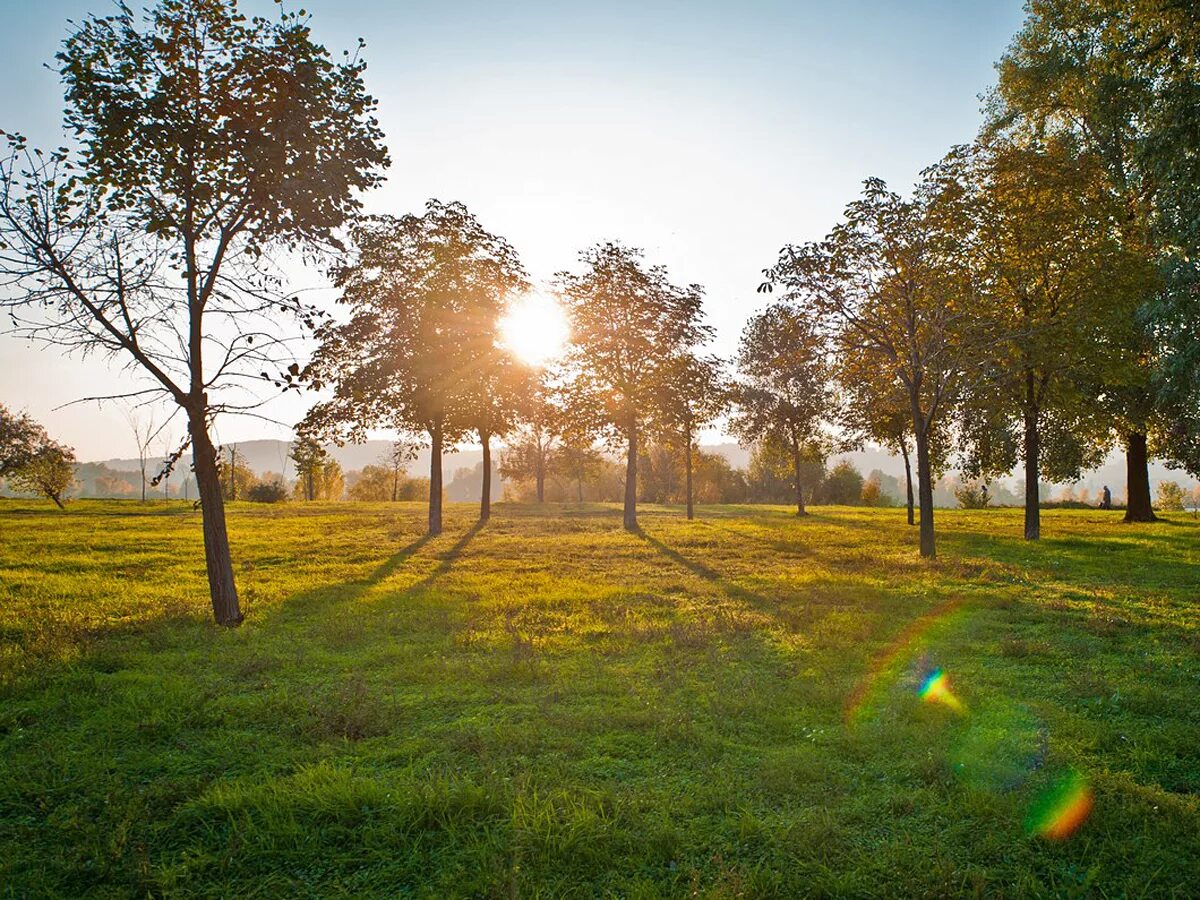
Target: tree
{"type": "Point", "coordinates": [236, 477]}
{"type": "Point", "coordinates": [628, 321]}
{"type": "Point", "coordinates": [50, 471]}
{"type": "Point", "coordinates": [1170, 496]}
{"type": "Point", "coordinates": [20, 437]}
{"type": "Point", "coordinates": [843, 485]}
{"type": "Point", "coordinates": [528, 455]}
{"type": "Point", "coordinates": [784, 396]}
{"type": "Point", "coordinates": [206, 140]}
{"type": "Point", "coordinates": [1055, 282]}
{"type": "Point", "coordinates": [31, 461]}
{"type": "Point", "coordinates": [374, 483]}
{"type": "Point", "coordinates": [310, 459]}
{"type": "Point", "coordinates": [889, 282]}
{"type": "Point", "coordinates": [773, 473]}
{"type": "Point", "coordinates": [875, 406]}
{"type": "Point", "coordinates": [425, 294]}
{"type": "Point", "coordinates": [577, 459]}
{"type": "Point", "coordinates": [692, 393]}
{"type": "Point", "coordinates": [143, 433]}
{"type": "Point", "coordinates": [395, 460]}
{"type": "Point", "coordinates": [500, 385]}
{"type": "Point", "coordinates": [1101, 70]}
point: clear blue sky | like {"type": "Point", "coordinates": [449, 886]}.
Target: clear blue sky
{"type": "Point", "coordinates": [708, 133]}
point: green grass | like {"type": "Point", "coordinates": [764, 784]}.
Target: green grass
{"type": "Point", "coordinates": [549, 706]}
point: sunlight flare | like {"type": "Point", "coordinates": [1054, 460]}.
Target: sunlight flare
{"type": "Point", "coordinates": [535, 329]}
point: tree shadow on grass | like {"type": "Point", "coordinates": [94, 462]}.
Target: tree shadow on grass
{"type": "Point", "coordinates": [700, 570]}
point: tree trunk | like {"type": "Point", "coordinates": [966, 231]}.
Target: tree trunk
{"type": "Point", "coordinates": [1137, 480]}
{"type": "Point", "coordinates": [217, 559]}
{"type": "Point", "coordinates": [800, 511]}
{"type": "Point", "coordinates": [485, 500]}
{"type": "Point", "coordinates": [631, 479]}
{"type": "Point", "coordinates": [1033, 449]}
{"type": "Point", "coordinates": [541, 484]}
{"type": "Point", "coordinates": [688, 469]}
{"type": "Point", "coordinates": [579, 487]}
{"type": "Point", "coordinates": [908, 481]}
{"type": "Point", "coordinates": [924, 480]}
{"type": "Point", "coordinates": [435, 479]}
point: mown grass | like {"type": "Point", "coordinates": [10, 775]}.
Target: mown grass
{"type": "Point", "coordinates": [549, 706]}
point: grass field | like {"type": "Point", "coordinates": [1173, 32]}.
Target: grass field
{"type": "Point", "coordinates": [549, 706]}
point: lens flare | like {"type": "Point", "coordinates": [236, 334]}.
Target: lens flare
{"type": "Point", "coordinates": [936, 689]}
{"type": "Point", "coordinates": [1058, 813]}
{"type": "Point", "coordinates": [885, 668]}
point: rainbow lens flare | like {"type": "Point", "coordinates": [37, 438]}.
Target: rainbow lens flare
{"type": "Point", "coordinates": [936, 689]}
{"type": "Point", "coordinates": [1060, 811]}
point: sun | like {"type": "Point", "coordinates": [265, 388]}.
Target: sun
{"type": "Point", "coordinates": [535, 329]}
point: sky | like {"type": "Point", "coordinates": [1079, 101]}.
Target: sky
{"type": "Point", "coordinates": [708, 134]}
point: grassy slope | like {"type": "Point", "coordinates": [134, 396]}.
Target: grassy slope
{"type": "Point", "coordinates": [550, 706]}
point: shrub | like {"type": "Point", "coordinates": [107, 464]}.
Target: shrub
{"type": "Point", "coordinates": [267, 492]}
{"type": "Point", "coordinates": [972, 496]}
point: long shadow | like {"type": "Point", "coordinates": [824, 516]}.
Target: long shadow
{"type": "Point", "coordinates": [389, 566]}
{"type": "Point", "coordinates": [448, 559]}
{"type": "Point", "coordinates": [700, 570]}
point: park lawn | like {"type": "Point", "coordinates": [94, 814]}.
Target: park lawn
{"type": "Point", "coordinates": [549, 706]}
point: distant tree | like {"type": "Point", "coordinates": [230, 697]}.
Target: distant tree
{"type": "Point", "coordinates": [374, 483]}
{"type": "Point", "coordinates": [395, 460]}
{"type": "Point", "coordinates": [425, 294]}
{"type": "Point", "coordinates": [528, 454]}
{"type": "Point", "coordinates": [890, 281]}
{"type": "Point", "coordinates": [843, 485]}
{"type": "Point", "coordinates": [692, 393]}
{"type": "Point", "coordinates": [310, 460]}
{"type": "Point", "coordinates": [577, 459]}
{"type": "Point", "coordinates": [30, 461]}
{"type": "Point", "coordinates": [784, 396]}
{"type": "Point", "coordinates": [774, 472]}
{"type": "Point", "coordinates": [500, 386]}
{"type": "Point", "coordinates": [628, 321]}
{"type": "Point", "coordinates": [50, 471]}
{"type": "Point", "coordinates": [1171, 496]}
{"type": "Point", "coordinates": [207, 138]}
{"type": "Point", "coordinates": [236, 477]}
{"type": "Point", "coordinates": [144, 432]}
{"type": "Point", "coordinates": [875, 407]}
{"type": "Point", "coordinates": [20, 437]}
{"type": "Point", "coordinates": [872, 491]}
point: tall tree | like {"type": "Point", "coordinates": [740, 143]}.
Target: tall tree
{"type": "Point", "coordinates": [628, 321]}
{"type": "Point", "coordinates": [425, 293]}
{"type": "Point", "coordinates": [784, 397]}
{"type": "Point", "coordinates": [1095, 69]}
{"type": "Point", "coordinates": [206, 140]}
{"type": "Point", "coordinates": [889, 281]}
{"type": "Point", "coordinates": [1056, 281]}
{"type": "Point", "coordinates": [693, 393]}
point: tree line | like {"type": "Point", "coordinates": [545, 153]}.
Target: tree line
{"type": "Point", "coordinates": [1031, 301]}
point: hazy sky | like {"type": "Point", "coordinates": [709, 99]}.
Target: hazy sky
{"type": "Point", "coordinates": [708, 133]}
